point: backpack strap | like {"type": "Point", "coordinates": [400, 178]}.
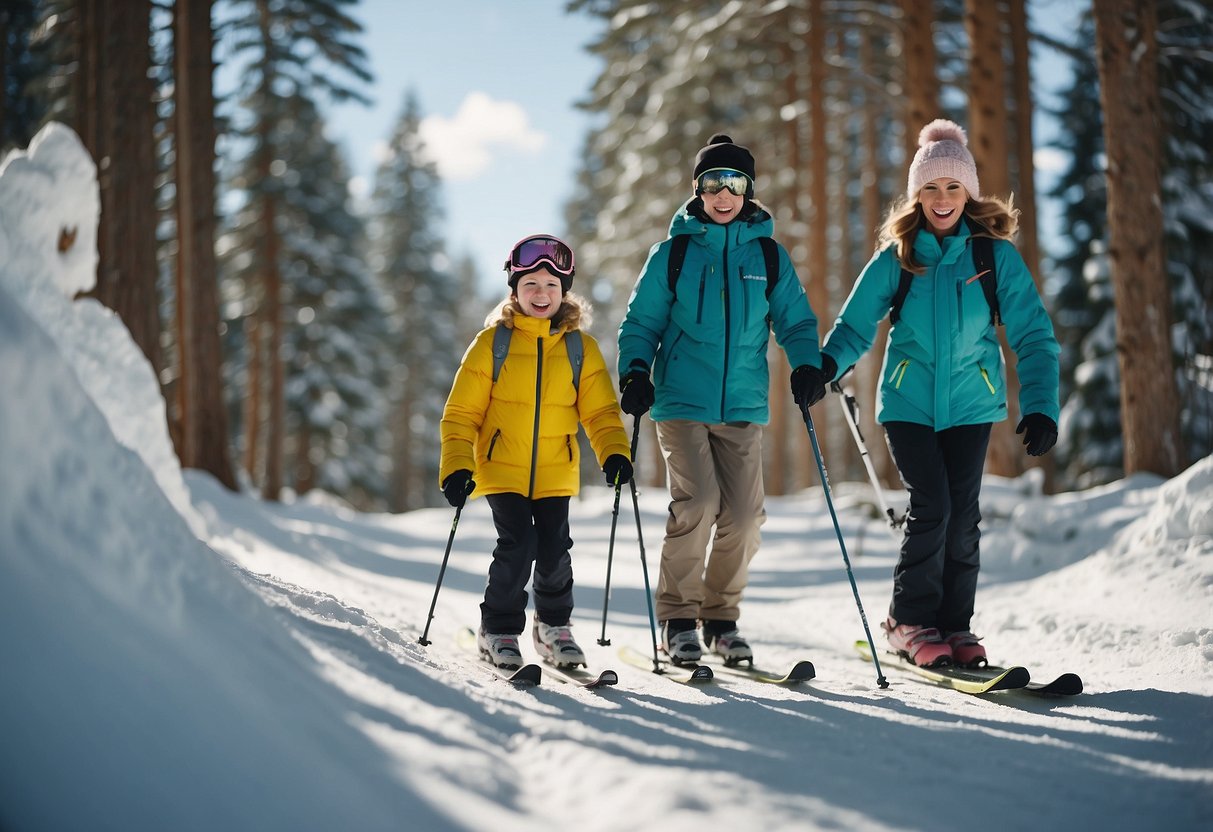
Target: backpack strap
{"type": "Point", "coordinates": [678, 253]}
{"type": "Point", "coordinates": [899, 297]}
{"type": "Point", "coordinates": [983, 261]}
{"type": "Point", "coordinates": [770, 256]}
{"type": "Point", "coordinates": [576, 350]}
{"type": "Point", "coordinates": [572, 344]}
{"type": "Point", "coordinates": [501, 347]}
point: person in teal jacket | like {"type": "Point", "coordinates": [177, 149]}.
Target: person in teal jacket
{"type": "Point", "coordinates": [943, 383]}
{"type": "Point", "coordinates": [704, 342]}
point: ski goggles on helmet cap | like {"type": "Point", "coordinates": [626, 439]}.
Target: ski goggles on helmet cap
{"type": "Point", "coordinates": [718, 179]}
{"type": "Point", "coordinates": [541, 249]}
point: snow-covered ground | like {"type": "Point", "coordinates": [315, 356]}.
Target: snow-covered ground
{"type": "Point", "coordinates": [174, 656]}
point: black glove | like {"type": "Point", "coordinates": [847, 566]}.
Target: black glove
{"type": "Point", "coordinates": [638, 394]}
{"type": "Point", "coordinates": [809, 382]}
{"type": "Point", "coordinates": [617, 469]}
{"type": "Point", "coordinates": [457, 486]}
{"type": "Point", "coordinates": [1039, 433]}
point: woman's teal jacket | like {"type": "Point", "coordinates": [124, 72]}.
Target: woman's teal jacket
{"type": "Point", "coordinates": [943, 365]}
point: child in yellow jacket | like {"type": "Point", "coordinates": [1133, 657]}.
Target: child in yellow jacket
{"type": "Point", "coordinates": [514, 427]}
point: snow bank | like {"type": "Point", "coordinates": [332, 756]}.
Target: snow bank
{"type": "Point", "coordinates": [146, 685]}
{"type": "Point", "coordinates": [49, 208]}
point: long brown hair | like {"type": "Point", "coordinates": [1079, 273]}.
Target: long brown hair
{"type": "Point", "coordinates": [996, 218]}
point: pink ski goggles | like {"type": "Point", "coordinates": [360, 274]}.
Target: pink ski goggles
{"type": "Point", "coordinates": [531, 252]}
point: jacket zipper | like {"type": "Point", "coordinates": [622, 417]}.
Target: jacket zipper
{"type": "Point", "coordinates": [724, 291]}
{"type": "Point", "coordinates": [986, 378]}
{"type": "Point", "coordinates": [703, 281]}
{"type": "Point", "coordinates": [745, 295]}
{"type": "Point", "coordinates": [899, 373]}
{"type": "Point", "coordinates": [493, 443]}
{"type": "Point", "coordinates": [538, 400]}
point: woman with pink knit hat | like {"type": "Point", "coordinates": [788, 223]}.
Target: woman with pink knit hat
{"type": "Point", "coordinates": [943, 383]}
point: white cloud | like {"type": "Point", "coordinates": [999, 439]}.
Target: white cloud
{"type": "Point", "coordinates": [463, 146]}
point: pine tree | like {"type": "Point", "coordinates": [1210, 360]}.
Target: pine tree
{"type": "Point", "coordinates": [1091, 446]}
{"type": "Point", "coordinates": [202, 437]}
{"type": "Point", "coordinates": [287, 50]}
{"type": "Point", "coordinates": [1185, 32]}
{"type": "Point", "coordinates": [1127, 57]}
{"type": "Point", "coordinates": [337, 355]}
{"type": "Point", "coordinates": [408, 259]}
{"type": "Point", "coordinates": [1090, 449]}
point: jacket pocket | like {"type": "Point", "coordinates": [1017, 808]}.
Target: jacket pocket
{"type": "Point", "coordinates": [568, 444]}
{"type": "Point", "coordinates": [493, 443]}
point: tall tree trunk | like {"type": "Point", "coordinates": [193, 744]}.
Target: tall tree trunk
{"type": "Point", "coordinates": [1025, 149]}
{"type": "Point", "coordinates": [126, 272]}
{"type": "Point", "coordinates": [400, 489]}
{"type": "Point", "coordinates": [818, 284]}
{"type": "Point", "coordinates": [275, 428]}
{"type": "Point", "coordinates": [921, 79]}
{"type": "Point", "coordinates": [87, 88]}
{"type": "Point", "coordinates": [867, 372]}
{"type": "Point", "coordinates": [779, 433]}
{"type": "Point", "coordinates": [204, 435]}
{"type": "Point", "coordinates": [1127, 56]}
{"type": "Point", "coordinates": [254, 391]}
{"type": "Point", "coordinates": [922, 105]}
{"type": "Point", "coordinates": [988, 130]}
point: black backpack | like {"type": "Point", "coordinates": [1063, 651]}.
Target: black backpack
{"type": "Point", "coordinates": [678, 253]}
{"type": "Point", "coordinates": [983, 261]}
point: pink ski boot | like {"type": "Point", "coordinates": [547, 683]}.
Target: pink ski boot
{"type": "Point", "coordinates": [923, 646]}
{"type": "Point", "coordinates": [966, 651]}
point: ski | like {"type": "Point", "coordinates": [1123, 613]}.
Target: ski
{"type": "Point", "coordinates": [528, 675]}
{"type": "Point", "coordinates": [802, 671]}
{"type": "Point", "coordinates": [584, 678]}
{"type": "Point", "coordinates": [1067, 684]}
{"type": "Point", "coordinates": [699, 674]}
{"type": "Point", "coordinates": [976, 680]}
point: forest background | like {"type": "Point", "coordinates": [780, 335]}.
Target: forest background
{"type": "Point", "coordinates": [306, 339]}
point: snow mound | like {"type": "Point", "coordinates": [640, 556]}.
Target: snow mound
{"type": "Point", "coordinates": [49, 208]}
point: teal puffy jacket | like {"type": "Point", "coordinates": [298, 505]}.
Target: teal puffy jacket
{"type": "Point", "coordinates": [706, 342]}
{"type": "Point", "coordinates": [943, 364]}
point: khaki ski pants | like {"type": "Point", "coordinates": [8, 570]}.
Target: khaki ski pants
{"type": "Point", "coordinates": [715, 474]}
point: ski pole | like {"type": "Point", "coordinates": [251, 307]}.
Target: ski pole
{"type": "Point", "coordinates": [606, 592]}
{"type": "Point", "coordinates": [851, 408]}
{"type": "Point", "coordinates": [644, 566]}
{"type": "Point", "coordinates": [825, 487]}
{"type": "Point", "coordinates": [442, 571]}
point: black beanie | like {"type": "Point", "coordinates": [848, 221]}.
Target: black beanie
{"type": "Point", "coordinates": [720, 152]}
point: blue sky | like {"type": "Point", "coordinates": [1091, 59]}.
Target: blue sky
{"type": "Point", "coordinates": [497, 83]}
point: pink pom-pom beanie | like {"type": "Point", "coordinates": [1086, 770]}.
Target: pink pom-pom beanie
{"type": "Point", "coordinates": [943, 151]}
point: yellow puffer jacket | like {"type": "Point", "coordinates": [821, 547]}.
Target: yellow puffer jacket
{"type": "Point", "coordinates": [497, 432]}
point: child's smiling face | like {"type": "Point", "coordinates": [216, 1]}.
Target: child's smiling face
{"type": "Point", "coordinates": [539, 293]}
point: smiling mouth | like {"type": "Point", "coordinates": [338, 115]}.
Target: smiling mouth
{"type": "Point", "coordinates": [943, 213]}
